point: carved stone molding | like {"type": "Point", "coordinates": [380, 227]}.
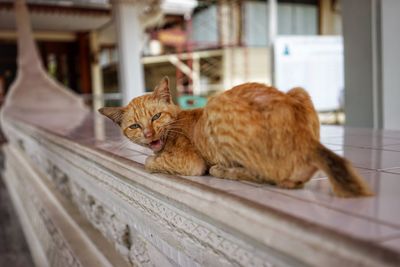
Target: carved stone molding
{"type": "Point", "coordinates": [129, 243]}
{"type": "Point", "coordinates": [54, 244]}
{"type": "Point", "coordinates": [195, 242]}
{"type": "Point", "coordinates": [155, 220]}
{"type": "Point", "coordinates": [182, 225]}
{"type": "Point", "coordinates": [54, 238]}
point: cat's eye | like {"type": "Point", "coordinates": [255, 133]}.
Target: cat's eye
{"type": "Point", "coordinates": [134, 126]}
{"type": "Point", "coordinates": [155, 117]}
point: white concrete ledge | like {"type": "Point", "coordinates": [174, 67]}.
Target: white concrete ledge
{"type": "Point", "coordinates": [154, 219]}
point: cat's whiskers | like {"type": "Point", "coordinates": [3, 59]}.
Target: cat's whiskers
{"type": "Point", "coordinates": [178, 132]}
{"type": "Point", "coordinates": [133, 139]}
{"type": "Point", "coordinates": [173, 124]}
{"type": "Point", "coordinates": [121, 143]}
{"type": "Point", "coordinates": [118, 147]}
{"type": "Point", "coordinates": [175, 121]}
{"type": "Point", "coordinates": [175, 127]}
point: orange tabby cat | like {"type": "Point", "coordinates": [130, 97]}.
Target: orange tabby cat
{"type": "Point", "coordinates": [152, 120]}
{"type": "Point", "coordinates": [252, 132]}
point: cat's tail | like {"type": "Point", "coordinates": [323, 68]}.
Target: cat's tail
{"type": "Point", "coordinates": [344, 179]}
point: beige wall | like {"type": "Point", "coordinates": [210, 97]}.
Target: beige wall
{"type": "Point", "coordinates": [242, 65]}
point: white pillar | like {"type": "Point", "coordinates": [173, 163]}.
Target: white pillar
{"type": "Point", "coordinates": [272, 33]}
{"type": "Point", "coordinates": [372, 68]}
{"type": "Point", "coordinates": [390, 49]}
{"type": "Point", "coordinates": [196, 75]}
{"type": "Point", "coordinates": [273, 20]}
{"type": "Point", "coordinates": [360, 77]}
{"type": "Point", "coordinates": [130, 37]}
{"type": "Point", "coordinates": [97, 77]}
{"type": "Point", "coordinates": [97, 86]}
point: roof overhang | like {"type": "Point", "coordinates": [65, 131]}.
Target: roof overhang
{"type": "Point", "coordinates": [76, 15]}
{"type": "Point", "coordinates": [57, 18]}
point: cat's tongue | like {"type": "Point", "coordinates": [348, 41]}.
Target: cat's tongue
{"type": "Point", "coordinates": [156, 145]}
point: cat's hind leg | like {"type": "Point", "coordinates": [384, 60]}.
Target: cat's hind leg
{"type": "Point", "coordinates": [288, 184]}
{"type": "Point", "coordinates": [298, 178]}
{"type": "Point", "coordinates": [235, 173]}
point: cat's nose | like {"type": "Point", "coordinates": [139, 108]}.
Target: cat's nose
{"type": "Point", "coordinates": [148, 133]}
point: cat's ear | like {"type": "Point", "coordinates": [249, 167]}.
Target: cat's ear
{"type": "Point", "coordinates": [162, 90]}
{"type": "Point", "coordinates": [113, 113]}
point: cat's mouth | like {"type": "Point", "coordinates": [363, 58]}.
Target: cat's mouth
{"type": "Point", "coordinates": [156, 145]}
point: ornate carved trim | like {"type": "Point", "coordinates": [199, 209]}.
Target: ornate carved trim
{"type": "Point", "coordinates": [186, 229]}
{"type": "Point", "coordinates": [54, 245]}
{"type": "Point", "coordinates": [182, 234]}
{"type": "Point", "coordinates": [204, 235]}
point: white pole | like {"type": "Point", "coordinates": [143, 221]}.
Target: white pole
{"type": "Point", "coordinates": [97, 78]}
{"type": "Point", "coordinates": [130, 36]}
{"type": "Point", "coordinates": [272, 33]}
{"type": "Point", "coordinates": [273, 20]}
{"type": "Point", "coordinates": [196, 74]}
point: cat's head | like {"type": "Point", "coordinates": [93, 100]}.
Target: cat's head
{"type": "Point", "coordinates": [147, 119]}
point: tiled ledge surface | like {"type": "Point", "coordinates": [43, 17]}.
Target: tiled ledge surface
{"type": "Point", "coordinates": [372, 223]}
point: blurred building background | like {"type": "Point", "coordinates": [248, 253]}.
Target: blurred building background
{"type": "Point", "coordinates": [111, 51]}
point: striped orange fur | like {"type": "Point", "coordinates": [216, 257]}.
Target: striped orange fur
{"type": "Point", "coordinates": [251, 132]}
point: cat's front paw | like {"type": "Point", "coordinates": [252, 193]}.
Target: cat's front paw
{"type": "Point", "coordinates": [150, 164]}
